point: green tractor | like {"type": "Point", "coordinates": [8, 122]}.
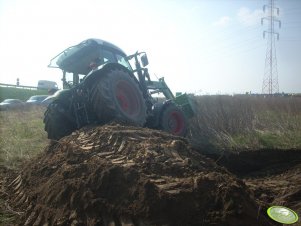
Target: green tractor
{"type": "Point", "coordinates": [101, 86]}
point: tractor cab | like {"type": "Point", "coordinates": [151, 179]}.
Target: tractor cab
{"type": "Point", "coordinates": [79, 60]}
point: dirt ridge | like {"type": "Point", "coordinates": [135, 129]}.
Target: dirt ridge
{"type": "Point", "coordinates": [117, 175]}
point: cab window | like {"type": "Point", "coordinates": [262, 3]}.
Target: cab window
{"type": "Point", "coordinates": [121, 60]}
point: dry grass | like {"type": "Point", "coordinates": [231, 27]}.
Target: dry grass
{"type": "Point", "coordinates": [22, 135]}
{"type": "Point", "coordinates": [221, 122]}
{"type": "Point", "coordinates": [246, 122]}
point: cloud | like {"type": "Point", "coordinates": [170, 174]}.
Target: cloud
{"type": "Point", "coordinates": [248, 17]}
{"type": "Point", "coordinates": [222, 22]}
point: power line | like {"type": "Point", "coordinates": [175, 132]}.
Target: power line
{"type": "Point", "coordinates": [270, 80]}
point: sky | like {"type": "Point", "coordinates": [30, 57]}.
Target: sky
{"type": "Point", "coordinates": [198, 46]}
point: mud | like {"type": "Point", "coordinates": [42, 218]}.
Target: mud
{"type": "Point", "coordinates": [116, 175]}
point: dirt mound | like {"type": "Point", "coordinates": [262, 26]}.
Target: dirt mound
{"type": "Point", "coordinates": [115, 175]}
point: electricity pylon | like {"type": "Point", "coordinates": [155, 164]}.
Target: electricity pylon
{"type": "Point", "coordinates": [270, 80]}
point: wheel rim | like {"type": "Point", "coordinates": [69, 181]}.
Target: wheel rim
{"type": "Point", "coordinates": [128, 98]}
{"type": "Point", "coordinates": [176, 122]}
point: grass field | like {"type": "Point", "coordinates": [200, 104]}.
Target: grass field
{"type": "Point", "coordinates": [19, 93]}
{"type": "Point", "coordinates": [246, 122]}
{"type": "Point", "coordinates": [22, 135]}
{"type": "Point", "coordinates": [221, 123]}
{"type": "Point", "coordinates": [238, 122]}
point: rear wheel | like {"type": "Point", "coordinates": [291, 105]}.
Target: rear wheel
{"type": "Point", "coordinates": [117, 96]}
{"type": "Point", "coordinates": [57, 124]}
{"type": "Point", "coordinates": [173, 120]}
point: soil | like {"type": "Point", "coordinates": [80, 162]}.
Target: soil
{"type": "Point", "coordinates": [118, 175]}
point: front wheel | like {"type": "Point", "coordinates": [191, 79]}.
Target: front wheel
{"type": "Point", "coordinates": [173, 120]}
{"type": "Point", "coordinates": [57, 124]}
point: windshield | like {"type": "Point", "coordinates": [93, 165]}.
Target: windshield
{"type": "Point", "coordinates": [110, 56]}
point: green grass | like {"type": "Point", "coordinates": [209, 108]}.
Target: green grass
{"type": "Point", "coordinates": [22, 135]}
{"type": "Point", "coordinates": [19, 93]}
{"type": "Point", "coordinates": [267, 139]}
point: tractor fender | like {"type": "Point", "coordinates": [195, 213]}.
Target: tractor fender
{"type": "Point", "coordinates": [63, 94]}
{"type": "Point", "coordinates": [90, 78]}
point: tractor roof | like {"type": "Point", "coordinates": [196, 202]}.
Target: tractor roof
{"type": "Point", "coordinates": [78, 57]}
{"type": "Point", "coordinates": [105, 43]}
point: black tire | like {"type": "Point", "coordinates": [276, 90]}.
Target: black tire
{"type": "Point", "coordinates": [57, 125]}
{"type": "Point", "coordinates": [173, 120]}
{"type": "Point", "coordinates": [116, 96]}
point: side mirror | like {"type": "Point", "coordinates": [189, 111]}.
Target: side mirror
{"type": "Point", "coordinates": [144, 60]}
